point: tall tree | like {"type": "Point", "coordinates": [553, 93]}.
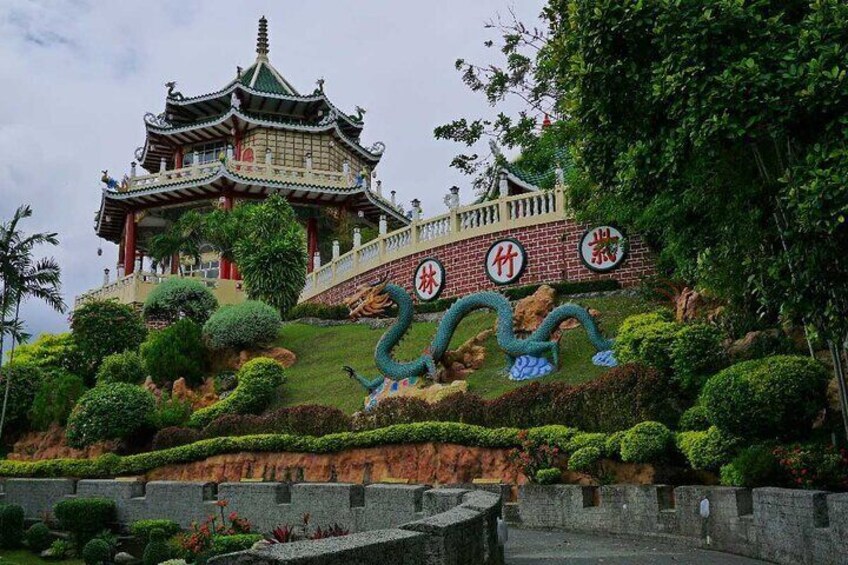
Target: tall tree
{"type": "Point", "coordinates": [182, 238]}
{"type": "Point", "coordinates": [23, 277]}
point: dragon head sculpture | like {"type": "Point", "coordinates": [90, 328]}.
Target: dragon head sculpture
{"type": "Point", "coordinates": [369, 300]}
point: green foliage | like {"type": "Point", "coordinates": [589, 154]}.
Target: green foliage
{"type": "Point", "coordinates": [60, 548]}
{"type": "Point", "coordinates": [231, 543]}
{"type": "Point", "coordinates": [647, 442]}
{"type": "Point", "coordinates": [110, 411]}
{"type": "Point", "coordinates": [157, 550]}
{"type": "Point", "coordinates": [754, 466]}
{"type": "Point", "coordinates": [695, 418]}
{"type": "Point", "coordinates": [696, 353]}
{"type": "Point", "coordinates": [124, 367]}
{"type": "Point", "coordinates": [317, 310]}
{"type": "Point", "coordinates": [708, 449]}
{"type": "Point", "coordinates": [171, 412]}
{"type": "Point", "coordinates": [584, 439]}
{"type": "Point", "coordinates": [258, 380]}
{"type": "Point", "coordinates": [96, 551]}
{"type": "Point", "coordinates": [272, 254]}
{"type": "Point", "coordinates": [585, 459]}
{"type": "Point", "coordinates": [51, 352]}
{"type": "Point", "coordinates": [38, 537]}
{"type": "Point", "coordinates": [240, 326]}
{"type": "Point", "coordinates": [24, 383]}
{"type": "Point", "coordinates": [55, 399]}
{"type": "Point", "coordinates": [174, 352]}
{"type": "Point", "coordinates": [103, 327]}
{"type": "Point", "coordinates": [177, 298]}
{"type": "Point", "coordinates": [612, 447]}
{"type": "Point", "coordinates": [549, 476]}
{"type": "Point", "coordinates": [774, 397]}
{"type": "Point", "coordinates": [11, 526]}
{"type": "Point", "coordinates": [646, 339]}
{"type": "Point", "coordinates": [143, 528]}
{"type": "Point", "coordinates": [563, 288]}
{"type": "Point", "coordinates": [814, 465]}
{"type": "Point", "coordinates": [85, 517]}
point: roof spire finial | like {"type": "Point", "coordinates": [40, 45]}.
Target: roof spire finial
{"type": "Point", "coordinates": [262, 39]}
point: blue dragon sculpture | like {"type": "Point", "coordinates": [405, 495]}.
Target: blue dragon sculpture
{"type": "Point", "coordinates": [373, 299]}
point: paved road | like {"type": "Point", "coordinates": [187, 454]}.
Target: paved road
{"type": "Point", "coordinates": [538, 547]}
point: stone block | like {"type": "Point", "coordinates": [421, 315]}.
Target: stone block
{"type": "Point", "coordinates": [785, 521]}
{"type": "Point", "coordinates": [388, 506]}
{"type": "Point", "coordinates": [327, 504]}
{"type": "Point", "coordinates": [454, 537]}
{"type": "Point", "coordinates": [183, 502]}
{"type": "Point", "coordinates": [441, 499]}
{"type": "Point", "coordinates": [119, 491]}
{"type": "Point", "coordinates": [265, 505]}
{"type": "Point", "coordinates": [37, 496]}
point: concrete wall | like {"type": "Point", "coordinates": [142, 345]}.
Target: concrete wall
{"type": "Point", "coordinates": [780, 525]}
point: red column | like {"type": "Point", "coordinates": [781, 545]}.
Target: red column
{"type": "Point", "coordinates": [225, 267]}
{"type": "Point", "coordinates": [178, 158]}
{"type": "Point", "coordinates": [311, 242]}
{"type": "Point", "coordinates": [129, 243]}
{"type": "Point", "coordinates": [120, 255]}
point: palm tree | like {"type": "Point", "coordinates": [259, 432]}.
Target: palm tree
{"type": "Point", "coordinates": [182, 238]}
{"type": "Point", "coordinates": [23, 277]}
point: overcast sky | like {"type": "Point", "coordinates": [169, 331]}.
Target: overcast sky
{"type": "Point", "coordinates": [79, 75]}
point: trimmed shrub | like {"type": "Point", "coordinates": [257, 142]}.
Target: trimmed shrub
{"type": "Point", "coordinates": [320, 311]}
{"type": "Point", "coordinates": [549, 476]}
{"type": "Point", "coordinates": [55, 399]}
{"type": "Point", "coordinates": [584, 459]}
{"type": "Point", "coordinates": [171, 412]}
{"type": "Point", "coordinates": [612, 447]}
{"type": "Point", "coordinates": [96, 551]}
{"type": "Point", "coordinates": [585, 439]}
{"type": "Point", "coordinates": [230, 543]}
{"type": "Point", "coordinates": [242, 326]}
{"type": "Point", "coordinates": [103, 327]}
{"type": "Point", "coordinates": [527, 406]}
{"type": "Point", "coordinates": [394, 410]}
{"type": "Point", "coordinates": [85, 517]}
{"type": "Point", "coordinates": [110, 411]}
{"type": "Point", "coordinates": [38, 537]}
{"type": "Point", "coordinates": [754, 466]}
{"type": "Point", "coordinates": [647, 442]}
{"type": "Point", "coordinates": [143, 528]}
{"type": "Point", "coordinates": [174, 436]}
{"type": "Point", "coordinates": [125, 367]}
{"type": "Point", "coordinates": [707, 450]}
{"type": "Point", "coordinates": [177, 351]}
{"type": "Point", "coordinates": [24, 383]}
{"type": "Point", "coordinates": [177, 298]}
{"type": "Point", "coordinates": [157, 550]}
{"type": "Point", "coordinates": [563, 288]}
{"type": "Point", "coordinates": [11, 526]}
{"type": "Point", "coordinates": [695, 418]}
{"type": "Point", "coordinates": [814, 465]}
{"type": "Point", "coordinates": [696, 353]}
{"type": "Point", "coordinates": [465, 407]}
{"type": "Point", "coordinates": [306, 420]}
{"type": "Point", "coordinates": [236, 425]}
{"type": "Point", "coordinates": [258, 380]}
{"type": "Point", "coordinates": [633, 331]}
{"type": "Point", "coordinates": [775, 397]}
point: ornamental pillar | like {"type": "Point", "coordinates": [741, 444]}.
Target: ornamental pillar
{"type": "Point", "coordinates": [225, 267]}
{"type": "Point", "coordinates": [311, 241]}
{"type": "Point", "coordinates": [119, 271]}
{"type": "Point", "coordinates": [175, 263]}
{"type": "Point", "coordinates": [129, 243]}
{"type": "Point", "coordinates": [178, 158]}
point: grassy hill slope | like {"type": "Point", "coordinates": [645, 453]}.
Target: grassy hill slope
{"type": "Point", "coordinates": [317, 377]}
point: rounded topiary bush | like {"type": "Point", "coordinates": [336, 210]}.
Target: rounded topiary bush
{"type": "Point", "coordinates": [548, 476]}
{"type": "Point", "coordinates": [584, 459]}
{"type": "Point", "coordinates": [85, 517]}
{"type": "Point", "coordinates": [696, 353]}
{"type": "Point", "coordinates": [178, 298]}
{"type": "Point", "coordinates": [708, 449]}
{"type": "Point", "coordinates": [156, 551]}
{"type": "Point", "coordinates": [258, 380]}
{"type": "Point", "coordinates": [103, 327]}
{"type": "Point", "coordinates": [38, 537]}
{"type": "Point", "coordinates": [695, 418]}
{"type": "Point", "coordinates": [125, 367]}
{"type": "Point", "coordinates": [109, 411]}
{"type": "Point", "coordinates": [143, 528]}
{"type": "Point", "coordinates": [647, 442]}
{"type": "Point", "coordinates": [777, 396]}
{"type": "Point", "coordinates": [96, 551]}
{"type": "Point", "coordinates": [11, 526]}
{"type": "Point", "coordinates": [177, 351]}
{"type": "Point", "coordinates": [175, 436]}
{"type": "Point", "coordinates": [241, 326]}
{"type": "Point", "coordinates": [755, 466]}
{"type": "Point", "coordinates": [647, 339]}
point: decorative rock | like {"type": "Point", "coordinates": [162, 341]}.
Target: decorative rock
{"type": "Point", "coordinates": [528, 367]}
{"type": "Point", "coordinates": [605, 359]}
{"type": "Point", "coordinates": [124, 558]}
{"type": "Point", "coordinates": [201, 398]}
{"type": "Point", "coordinates": [463, 360]}
{"type": "Point", "coordinates": [283, 356]}
{"type": "Point", "coordinates": [50, 444]}
{"type": "Point", "coordinates": [573, 323]}
{"type": "Point", "coordinates": [531, 310]}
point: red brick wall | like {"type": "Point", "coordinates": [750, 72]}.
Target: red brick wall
{"type": "Point", "coordinates": [552, 256]}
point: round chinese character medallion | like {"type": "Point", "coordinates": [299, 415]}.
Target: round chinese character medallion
{"type": "Point", "coordinates": [602, 248]}
{"type": "Point", "coordinates": [429, 279]}
{"type": "Point", "coordinates": [505, 261]}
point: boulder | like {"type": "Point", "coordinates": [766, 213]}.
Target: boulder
{"type": "Point", "coordinates": [531, 310]}
{"type": "Point", "coordinates": [201, 397]}
{"type": "Point", "coordinates": [573, 323]}
{"type": "Point", "coordinates": [124, 558]}
{"type": "Point", "coordinates": [50, 444]}
{"type": "Point", "coordinates": [752, 344]}
{"type": "Point", "coordinates": [464, 360]}
{"type": "Point", "coordinates": [282, 355]}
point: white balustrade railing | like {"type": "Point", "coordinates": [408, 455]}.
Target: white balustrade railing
{"type": "Point", "coordinates": [460, 223]}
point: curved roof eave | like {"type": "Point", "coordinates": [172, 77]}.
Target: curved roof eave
{"type": "Point", "coordinates": [329, 124]}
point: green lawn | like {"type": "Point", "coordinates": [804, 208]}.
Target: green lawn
{"type": "Point", "coordinates": [24, 557]}
{"type": "Point", "coordinates": [317, 377]}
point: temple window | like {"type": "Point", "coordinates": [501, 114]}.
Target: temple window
{"type": "Point", "coordinates": [206, 152]}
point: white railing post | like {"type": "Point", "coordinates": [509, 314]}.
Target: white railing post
{"type": "Point", "coordinates": [269, 157]}
{"type": "Point", "coordinates": [357, 242]}
{"type": "Point", "coordinates": [384, 225]}
{"type": "Point", "coordinates": [394, 198]}
{"type": "Point", "coordinates": [316, 261]}
{"type": "Point", "coordinates": [132, 170]}
{"type": "Point", "coordinates": [336, 249]}
{"type": "Point", "coordinates": [163, 165]}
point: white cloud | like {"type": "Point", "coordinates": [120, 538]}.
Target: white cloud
{"type": "Point", "coordinates": [78, 76]}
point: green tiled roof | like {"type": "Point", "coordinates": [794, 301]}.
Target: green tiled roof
{"type": "Point", "coordinates": [267, 82]}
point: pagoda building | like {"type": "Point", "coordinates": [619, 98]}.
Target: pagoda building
{"type": "Point", "coordinates": [254, 137]}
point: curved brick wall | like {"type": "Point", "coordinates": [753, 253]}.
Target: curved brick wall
{"type": "Point", "coordinates": [552, 256]}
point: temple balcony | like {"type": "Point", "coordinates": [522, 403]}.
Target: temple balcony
{"type": "Point", "coordinates": [134, 289]}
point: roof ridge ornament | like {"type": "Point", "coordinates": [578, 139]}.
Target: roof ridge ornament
{"type": "Point", "coordinates": [262, 40]}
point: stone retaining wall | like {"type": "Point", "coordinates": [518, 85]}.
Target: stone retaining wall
{"type": "Point", "coordinates": [780, 525]}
